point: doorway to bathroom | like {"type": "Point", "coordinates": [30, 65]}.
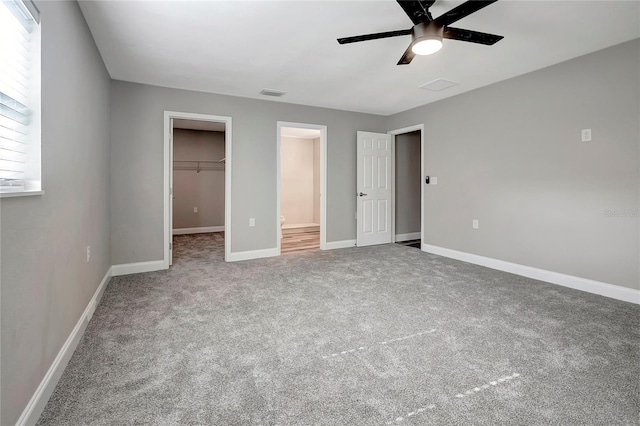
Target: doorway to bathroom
{"type": "Point", "coordinates": [301, 187]}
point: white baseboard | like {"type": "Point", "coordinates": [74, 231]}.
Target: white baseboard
{"type": "Point", "coordinates": [137, 268]}
{"type": "Point", "coordinates": [331, 245]}
{"type": "Point", "coordinates": [252, 254]}
{"type": "Point", "coordinates": [41, 396]}
{"type": "Point", "coordinates": [590, 286]}
{"type": "Point", "coordinates": [407, 237]}
{"type": "Point", "coordinates": [201, 230]}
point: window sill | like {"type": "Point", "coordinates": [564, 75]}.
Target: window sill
{"type": "Point", "coordinates": [22, 193]}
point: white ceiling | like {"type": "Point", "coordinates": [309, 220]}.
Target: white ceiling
{"type": "Point", "coordinates": [240, 47]}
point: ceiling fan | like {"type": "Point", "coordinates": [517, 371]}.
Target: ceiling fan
{"type": "Point", "coordinates": [427, 33]}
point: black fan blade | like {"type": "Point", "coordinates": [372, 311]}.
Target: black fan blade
{"type": "Point", "coordinates": [471, 36]}
{"type": "Point", "coordinates": [465, 9]}
{"type": "Point", "coordinates": [418, 11]}
{"type": "Point", "coordinates": [407, 57]}
{"type": "Point", "coordinates": [374, 36]}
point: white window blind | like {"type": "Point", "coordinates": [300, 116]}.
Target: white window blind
{"type": "Point", "coordinates": [18, 22]}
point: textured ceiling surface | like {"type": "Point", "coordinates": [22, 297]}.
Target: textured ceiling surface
{"type": "Point", "coordinates": [240, 47]}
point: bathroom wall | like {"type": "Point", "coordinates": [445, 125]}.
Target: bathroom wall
{"type": "Point", "coordinates": [297, 188]}
{"type": "Point", "coordinates": [204, 190]}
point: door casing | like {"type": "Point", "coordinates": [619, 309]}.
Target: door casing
{"type": "Point", "coordinates": [168, 177]}
{"type": "Point", "coordinates": [393, 134]}
{"type": "Point", "coordinates": [323, 179]}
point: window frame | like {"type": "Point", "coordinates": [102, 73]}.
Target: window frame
{"type": "Point", "coordinates": [27, 14]}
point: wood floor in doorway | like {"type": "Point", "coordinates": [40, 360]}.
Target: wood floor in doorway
{"type": "Point", "coordinates": [303, 241]}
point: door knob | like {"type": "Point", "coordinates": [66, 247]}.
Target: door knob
{"type": "Point", "coordinates": [362, 194]}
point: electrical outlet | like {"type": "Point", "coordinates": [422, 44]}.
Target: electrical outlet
{"type": "Point", "coordinates": [252, 221]}
{"type": "Point", "coordinates": [474, 224]}
{"type": "Point", "coordinates": [195, 210]}
{"type": "Point", "coordinates": [88, 253]}
{"type": "Point", "coordinates": [586, 135]}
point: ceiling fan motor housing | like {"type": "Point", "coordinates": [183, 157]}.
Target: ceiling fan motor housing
{"type": "Point", "coordinates": [427, 31]}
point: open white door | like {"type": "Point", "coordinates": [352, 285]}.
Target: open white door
{"type": "Point", "coordinates": [373, 189]}
{"type": "Point", "coordinates": [171, 196]}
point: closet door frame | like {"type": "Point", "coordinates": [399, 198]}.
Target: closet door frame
{"type": "Point", "coordinates": [169, 116]}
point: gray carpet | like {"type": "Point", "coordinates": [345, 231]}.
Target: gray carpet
{"type": "Point", "coordinates": [360, 336]}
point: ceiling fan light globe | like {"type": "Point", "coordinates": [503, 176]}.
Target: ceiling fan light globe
{"type": "Point", "coordinates": [427, 46]}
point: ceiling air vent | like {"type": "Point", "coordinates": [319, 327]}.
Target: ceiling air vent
{"type": "Point", "coordinates": [271, 92]}
{"type": "Point", "coordinates": [438, 84]}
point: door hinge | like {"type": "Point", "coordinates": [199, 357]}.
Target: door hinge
{"type": "Point", "coordinates": [170, 246]}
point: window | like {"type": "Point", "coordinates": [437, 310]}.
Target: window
{"type": "Point", "coordinates": [19, 98]}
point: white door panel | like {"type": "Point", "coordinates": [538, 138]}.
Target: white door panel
{"type": "Point", "coordinates": [373, 189]}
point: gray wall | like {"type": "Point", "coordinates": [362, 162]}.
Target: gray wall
{"type": "Point", "coordinates": [205, 189]}
{"type": "Point", "coordinates": [408, 182]}
{"type": "Point", "coordinates": [137, 165]}
{"type": "Point", "coordinates": [46, 283]}
{"type": "Point", "coordinates": [510, 156]}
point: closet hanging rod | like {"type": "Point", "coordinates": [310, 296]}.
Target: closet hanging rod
{"type": "Point", "coordinates": [197, 165]}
